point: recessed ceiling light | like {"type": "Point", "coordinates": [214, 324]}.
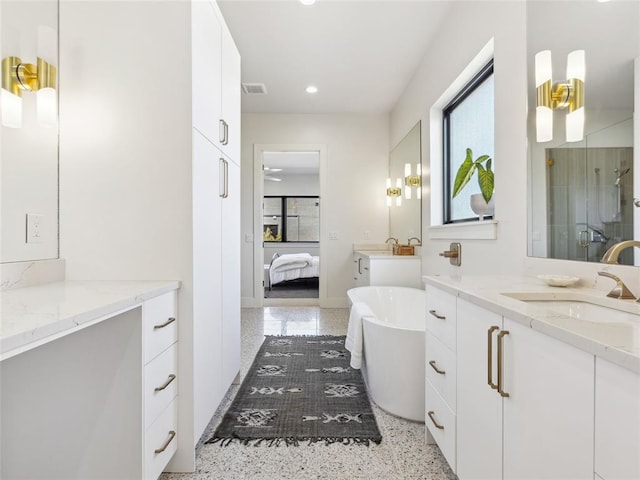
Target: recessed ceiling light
{"type": "Point", "coordinates": [311, 89]}
{"type": "Point", "coordinates": [307, 2]}
{"type": "Point", "coordinates": [273, 169]}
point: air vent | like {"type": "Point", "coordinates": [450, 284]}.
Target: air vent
{"type": "Point", "coordinates": [254, 88]}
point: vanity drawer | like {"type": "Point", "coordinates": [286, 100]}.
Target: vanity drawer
{"type": "Point", "coordinates": [440, 359]}
{"type": "Point", "coordinates": [161, 442]}
{"type": "Point", "coordinates": [441, 316]}
{"type": "Point", "coordinates": [160, 383]}
{"type": "Point", "coordinates": [441, 422]}
{"type": "Point", "coordinates": [159, 324]}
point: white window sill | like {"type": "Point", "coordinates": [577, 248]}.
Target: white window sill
{"type": "Point", "coordinates": [481, 230]}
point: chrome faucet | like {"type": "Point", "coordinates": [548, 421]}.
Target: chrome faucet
{"type": "Point", "coordinates": [611, 255]}
{"type": "Point", "coordinates": [620, 290]}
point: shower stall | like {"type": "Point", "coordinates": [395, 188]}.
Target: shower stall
{"type": "Point", "coordinates": [590, 200]}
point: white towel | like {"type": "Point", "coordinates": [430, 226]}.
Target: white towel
{"type": "Point", "coordinates": [354, 341]}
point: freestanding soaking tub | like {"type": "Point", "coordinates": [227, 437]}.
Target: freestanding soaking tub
{"type": "Point", "coordinates": [393, 348]}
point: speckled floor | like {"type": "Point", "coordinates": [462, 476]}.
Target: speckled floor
{"type": "Point", "coordinates": [402, 455]}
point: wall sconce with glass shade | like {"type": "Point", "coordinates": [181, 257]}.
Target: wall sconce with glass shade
{"type": "Point", "coordinates": [394, 192]}
{"type": "Point", "coordinates": [569, 95]}
{"type": "Point", "coordinates": [412, 181]}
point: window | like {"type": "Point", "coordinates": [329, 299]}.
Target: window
{"type": "Point", "coordinates": [468, 123]}
{"type": "Point", "coordinates": [291, 219]}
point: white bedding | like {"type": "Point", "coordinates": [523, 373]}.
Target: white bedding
{"type": "Point", "coordinates": [293, 266]}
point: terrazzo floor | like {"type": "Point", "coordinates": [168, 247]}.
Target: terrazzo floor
{"type": "Point", "coordinates": [402, 455]}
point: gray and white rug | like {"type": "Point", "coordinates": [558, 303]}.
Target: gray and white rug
{"type": "Point", "coordinates": [300, 389]}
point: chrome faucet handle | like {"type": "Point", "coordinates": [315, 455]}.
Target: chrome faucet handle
{"type": "Point", "coordinates": [620, 290]}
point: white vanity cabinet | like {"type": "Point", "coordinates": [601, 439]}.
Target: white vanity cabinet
{"type": "Point", "coordinates": [524, 403]}
{"type": "Point", "coordinates": [440, 371]}
{"type": "Point", "coordinates": [617, 422]}
{"type": "Point", "coordinates": [160, 380]}
{"type": "Point", "coordinates": [377, 269]}
{"type": "Point", "coordinates": [89, 379]}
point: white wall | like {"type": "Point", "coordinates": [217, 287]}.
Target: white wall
{"type": "Point", "coordinates": [125, 164]}
{"type": "Point", "coordinates": [357, 149]}
{"type": "Point", "coordinates": [458, 41]}
{"type": "Point", "coordinates": [293, 185]}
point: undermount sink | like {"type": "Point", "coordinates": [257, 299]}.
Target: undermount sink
{"type": "Point", "coordinates": [582, 307]}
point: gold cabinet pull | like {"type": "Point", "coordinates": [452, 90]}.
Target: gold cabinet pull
{"type": "Point", "coordinates": [501, 362]}
{"type": "Point", "coordinates": [490, 357]}
{"type": "Point", "coordinates": [438, 426]}
{"type": "Point", "coordinates": [171, 378]}
{"type": "Point", "coordinates": [433, 365]}
{"type": "Point", "coordinates": [169, 321]}
{"type": "Point", "coordinates": [437, 315]}
{"type": "Point", "coordinates": [172, 435]}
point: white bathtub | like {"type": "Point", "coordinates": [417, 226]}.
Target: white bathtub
{"type": "Point", "coordinates": [393, 358]}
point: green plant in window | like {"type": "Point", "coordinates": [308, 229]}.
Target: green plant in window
{"type": "Point", "coordinates": [468, 168]}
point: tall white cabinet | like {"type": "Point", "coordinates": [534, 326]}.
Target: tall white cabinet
{"type": "Point", "coordinates": [216, 208]}
{"type": "Point", "coordinates": [150, 175]}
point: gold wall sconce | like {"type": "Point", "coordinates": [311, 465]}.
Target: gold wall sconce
{"type": "Point", "coordinates": [394, 192]}
{"type": "Point", "coordinates": [412, 181]}
{"type": "Point", "coordinates": [569, 95]}
{"type": "Point", "coordinates": [18, 77]}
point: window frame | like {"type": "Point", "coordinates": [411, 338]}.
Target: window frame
{"type": "Point", "coordinates": [478, 79]}
{"type": "Point", "coordinates": [283, 210]}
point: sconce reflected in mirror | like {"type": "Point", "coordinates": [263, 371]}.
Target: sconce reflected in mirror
{"type": "Point", "coordinates": [569, 95]}
{"type": "Point", "coordinates": [412, 181]}
{"type": "Point", "coordinates": [18, 77]}
{"type": "Point", "coordinates": [394, 192]}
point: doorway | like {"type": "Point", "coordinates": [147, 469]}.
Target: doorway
{"type": "Point", "coordinates": [288, 207]}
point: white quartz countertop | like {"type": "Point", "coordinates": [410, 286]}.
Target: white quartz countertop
{"type": "Point", "coordinates": [617, 341]}
{"type": "Point", "coordinates": [384, 254]}
{"type": "Point", "coordinates": [32, 316]}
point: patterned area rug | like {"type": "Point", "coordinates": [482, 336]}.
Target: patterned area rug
{"type": "Point", "coordinates": [300, 389]}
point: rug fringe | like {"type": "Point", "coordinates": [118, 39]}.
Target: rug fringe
{"type": "Point", "coordinates": [293, 441]}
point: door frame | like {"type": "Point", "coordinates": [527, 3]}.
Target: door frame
{"type": "Point", "coordinates": [258, 194]}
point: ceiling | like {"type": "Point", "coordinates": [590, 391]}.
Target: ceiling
{"type": "Point", "coordinates": [360, 54]}
{"type": "Point", "coordinates": [291, 163]}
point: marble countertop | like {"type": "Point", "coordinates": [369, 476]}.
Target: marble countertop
{"type": "Point", "coordinates": [32, 316]}
{"type": "Point", "coordinates": [617, 341]}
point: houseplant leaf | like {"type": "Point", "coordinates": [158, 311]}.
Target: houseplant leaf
{"type": "Point", "coordinates": [485, 180]}
{"type": "Point", "coordinates": [465, 172]}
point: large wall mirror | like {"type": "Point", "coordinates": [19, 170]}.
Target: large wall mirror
{"type": "Point", "coordinates": [29, 152]}
{"type": "Point", "coordinates": [405, 219]}
{"type": "Point", "coordinates": [581, 194]}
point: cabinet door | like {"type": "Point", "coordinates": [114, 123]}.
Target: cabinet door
{"type": "Point", "coordinates": [206, 64]}
{"type": "Point", "coordinates": [479, 407]}
{"type": "Point", "coordinates": [207, 285]}
{"type": "Point", "coordinates": [617, 422]}
{"type": "Point", "coordinates": [230, 97]}
{"type": "Point", "coordinates": [548, 416]}
{"type": "Point", "coordinates": [231, 275]}
{"type": "Point", "coordinates": [361, 271]}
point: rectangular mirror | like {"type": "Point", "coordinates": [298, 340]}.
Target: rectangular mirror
{"type": "Point", "coordinates": [29, 153]}
{"type": "Point", "coordinates": [581, 194]}
{"type": "Point", "coordinates": [405, 220]}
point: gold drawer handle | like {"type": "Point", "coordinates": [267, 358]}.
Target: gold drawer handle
{"type": "Point", "coordinates": [171, 378]}
{"type": "Point", "coordinates": [169, 321]}
{"type": "Point", "coordinates": [433, 365]}
{"type": "Point", "coordinates": [172, 435]}
{"type": "Point", "coordinates": [435, 314]}
{"type": "Point", "coordinates": [438, 426]}
{"type": "Point", "coordinates": [490, 357]}
{"type": "Point", "coordinates": [501, 362]}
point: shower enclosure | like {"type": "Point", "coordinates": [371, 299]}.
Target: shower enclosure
{"type": "Point", "coordinates": [590, 201]}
